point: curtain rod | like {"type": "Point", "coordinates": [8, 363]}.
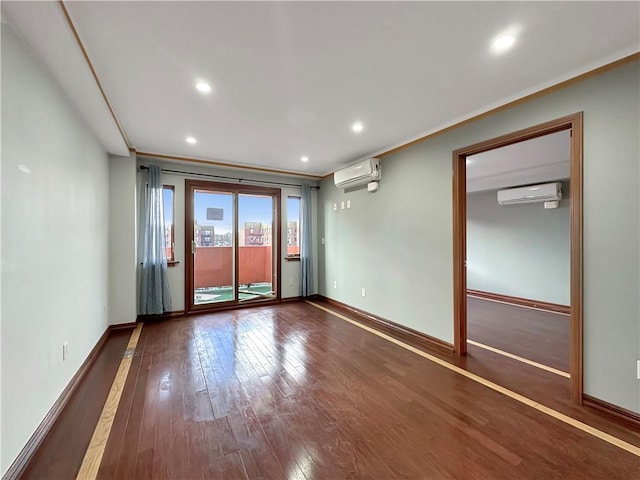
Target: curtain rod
{"type": "Point", "coordinates": [145, 167]}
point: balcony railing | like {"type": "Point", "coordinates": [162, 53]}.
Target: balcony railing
{"type": "Point", "coordinates": [213, 266]}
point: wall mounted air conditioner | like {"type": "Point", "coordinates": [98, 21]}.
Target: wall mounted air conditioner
{"type": "Point", "coordinates": [369, 170]}
{"type": "Point", "coordinates": [544, 192]}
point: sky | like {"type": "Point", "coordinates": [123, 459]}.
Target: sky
{"type": "Point", "coordinates": [251, 208]}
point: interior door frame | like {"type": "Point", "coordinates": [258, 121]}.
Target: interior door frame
{"type": "Point", "coordinates": [276, 237]}
{"type": "Point", "coordinates": [574, 124]}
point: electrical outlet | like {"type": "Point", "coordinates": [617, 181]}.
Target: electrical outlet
{"type": "Point", "coordinates": [342, 205]}
{"type": "Point", "coordinates": [65, 351]}
{"type": "Point", "coordinates": [638, 370]}
{"type": "Point", "coordinates": [335, 284]}
{"type": "Point", "coordinates": [322, 240]}
{"type": "Point", "coordinates": [335, 207]}
{"type": "Point", "coordinates": [364, 292]}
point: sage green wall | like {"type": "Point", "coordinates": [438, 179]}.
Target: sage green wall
{"type": "Point", "coordinates": [55, 252]}
{"type": "Point", "coordinates": [397, 243]}
{"type": "Point", "coordinates": [519, 250]}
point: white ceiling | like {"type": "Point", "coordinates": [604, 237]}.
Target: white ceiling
{"type": "Point", "coordinates": [291, 77]}
{"type": "Point", "coordinates": [542, 159]}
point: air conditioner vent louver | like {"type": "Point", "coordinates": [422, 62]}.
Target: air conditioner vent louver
{"type": "Point", "coordinates": [544, 192]}
{"type": "Point", "coordinates": [366, 171]}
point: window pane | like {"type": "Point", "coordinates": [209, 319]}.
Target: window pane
{"type": "Point", "coordinates": [213, 234]}
{"type": "Point", "coordinates": [255, 247]}
{"type": "Point", "coordinates": [293, 226]}
{"type": "Point", "coordinates": [167, 206]}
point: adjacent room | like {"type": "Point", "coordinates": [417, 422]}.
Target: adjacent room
{"type": "Point", "coordinates": [308, 240]}
{"type": "Point", "coordinates": [519, 251]}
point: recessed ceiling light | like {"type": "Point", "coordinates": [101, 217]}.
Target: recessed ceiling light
{"type": "Point", "coordinates": [191, 140]}
{"type": "Point", "coordinates": [503, 42]}
{"type": "Point", "coordinates": [304, 159]}
{"type": "Point", "coordinates": [357, 127]}
{"type": "Point", "coordinates": [203, 87]}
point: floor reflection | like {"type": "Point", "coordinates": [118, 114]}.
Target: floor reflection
{"type": "Point", "coordinates": [302, 467]}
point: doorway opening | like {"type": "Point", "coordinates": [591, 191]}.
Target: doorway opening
{"type": "Point", "coordinates": [573, 126]}
{"type": "Point", "coordinates": [232, 241]}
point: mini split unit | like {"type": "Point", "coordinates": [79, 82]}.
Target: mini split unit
{"type": "Point", "coordinates": [363, 172]}
{"type": "Point", "coordinates": [544, 192]}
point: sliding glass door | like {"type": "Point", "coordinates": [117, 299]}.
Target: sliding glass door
{"type": "Point", "coordinates": [232, 244]}
{"type": "Point", "coordinates": [212, 246]}
{"type": "Point", "coordinates": [255, 247]}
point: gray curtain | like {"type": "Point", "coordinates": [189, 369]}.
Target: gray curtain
{"type": "Point", "coordinates": [154, 287]}
{"type": "Point", "coordinates": [306, 254]}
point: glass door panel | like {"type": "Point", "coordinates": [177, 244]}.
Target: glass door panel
{"type": "Point", "coordinates": [233, 247]}
{"type": "Point", "coordinates": [256, 278]}
{"type": "Point", "coordinates": [213, 247]}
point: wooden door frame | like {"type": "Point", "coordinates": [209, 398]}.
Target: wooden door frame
{"type": "Point", "coordinates": [574, 124]}
{"type": "Point", "coordinates": [276, 236]}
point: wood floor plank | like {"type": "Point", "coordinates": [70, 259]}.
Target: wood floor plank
{"type": "Point", "coordinates": [95, 451]}
{"type": "Point", "coordinates": [178, 366]}
{"type": "Point", "coordinates": [294, 392]}
{"type": "Point", "coordinates": [233, 467]}
{"type": "Point", "coordinates": [162, 467]}
{"type": "Point", "coordinates": [536, 335]}
{"type": "Point", "coordinates": [60, 454]}
{"type": "Point", "coordinates": [128, 456]}
{"type": "Point", "coordinates": [113, 448]}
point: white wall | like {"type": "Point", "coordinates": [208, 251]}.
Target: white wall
{"type": "Point", "coordinates": [519, 250]}
{"type": "Point", "coordinates": [54, 243]}
{"type": "Point", "coordinates": [290, 283]}
{"type": "Point", "coordinates": [398, 241]}
{"type": "Point", "coordinates": [122, 239]}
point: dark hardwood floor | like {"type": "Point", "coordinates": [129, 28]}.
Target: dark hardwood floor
{"type": "Point", "coordinates": [294, 392]}
{"type": "Point", "coordinates": [60, 454]}
{"type": "Point", "coordinates": [532, 334]}
{"type": "Point", "coordinates": [541, 386]}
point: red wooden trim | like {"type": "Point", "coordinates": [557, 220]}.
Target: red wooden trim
{"type": "Point", "coordinates": [291, 299]}
{"type": "Point", "coordinates": [400, 332]}
{"type": "Point", "coordinates": [459, 254]}
{"type": "Point", "coordinates": [160, 317]}
{"type": "Point", "coordinates": [525, 302]}
{"type": "Point", "coordinates": [172, 261]}
{"type": "Point", "coordinates": [163, 156]}
{"type": "Point", "coordinates": [527, 98]}
{"type": "Point", "coordinates": [21, 462]}
{"type": "Point", "coordinates": [122, 326]}
{"type": "Point", "coordinates": [628, 416]}
{"type": "Point", "coordinates": [223, 307]}
{"type": "Point", "coordinates": [235, 190]}
{"type": "Point", "coordinates": [188, 238]}
{"type": "Point", "coordinates": [577, 254]}
{"type": "Point", "coordinates": [572, 123]}
{"type": "Point", "coordinates": [277, 256]}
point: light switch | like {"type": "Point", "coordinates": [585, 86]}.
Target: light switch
{"type": "Point", "coordinates": [348, 203]}
{"type": "Point", "coordinates": [342, 205]}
